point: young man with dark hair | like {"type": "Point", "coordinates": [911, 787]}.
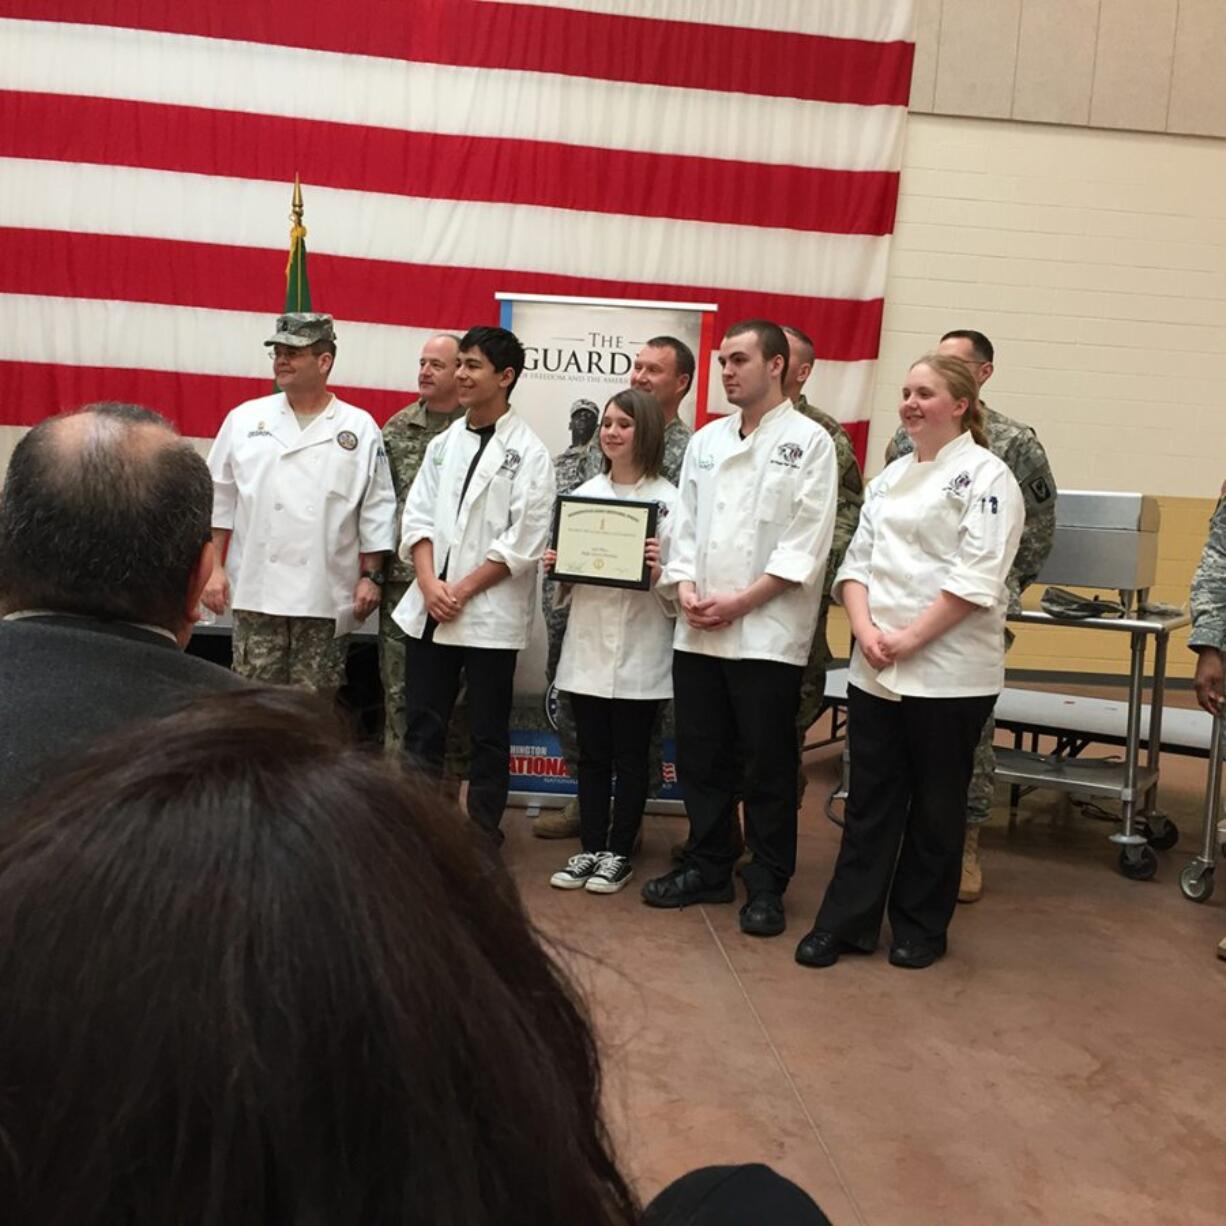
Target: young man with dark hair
{"type": "Point", "coordinates": [754, 522]}
{"type": "Point", "coordinates": [1017, 444]}
{"type": "Point", "coordinates": [475, 525]}
{"type": "Point", "coordinates": [303, 513]}
{"type": "Point", "coordinates": [104, 551]}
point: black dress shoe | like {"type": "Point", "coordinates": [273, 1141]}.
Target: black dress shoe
{"type": "Point", "coordinates": [819, 948]}
{"type": "Point", "coordinates": [915, 955]}
{"type": "Point", "coordinates": [684, 887]}
{"type": "Point", "coordinates": [762, 915]}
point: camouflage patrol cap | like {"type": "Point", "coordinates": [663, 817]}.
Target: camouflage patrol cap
{"type": "Point", "coordinates": [301, 329]}
{"type": "Point", "coordinates": [584, 406]}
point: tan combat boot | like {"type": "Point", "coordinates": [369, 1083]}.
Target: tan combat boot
{"type": "Point", "coordinates": [558, 823]}
{"type": "Point", "coordinates": [971, 886]}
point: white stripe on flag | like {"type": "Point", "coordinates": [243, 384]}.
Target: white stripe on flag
{"type": "Point", "coordinates": [195, 340]}
{"type": "Point", "coordinates": [142, 66]}
{"type": "Point", "coordinates": [870, 20]}
{"type": "Point", "coordinates": [372, 225]}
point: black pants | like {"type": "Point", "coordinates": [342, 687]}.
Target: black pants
{"type": "Point", "coordinates": [736, 735]}
{"type": "Point", "coordinates": [905, 818]}
{"type": "Point", "coordinates": [613, 733]}
{"type": "Point", "coordinates": [432, 680]}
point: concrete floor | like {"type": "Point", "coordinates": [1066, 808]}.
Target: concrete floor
{"type": "Point", "coordinates": [1063, 1063]}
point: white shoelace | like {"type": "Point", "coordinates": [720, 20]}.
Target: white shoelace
{"type": "Point", "coordinates": [584, 862]}
{"type": "Point", "coordinates": [610, 865]}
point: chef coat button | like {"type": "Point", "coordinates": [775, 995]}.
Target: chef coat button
{"type": "Point", "coordinates": [272, 557]}
{"type": "Point", "coordinates": [719, 506]}
{"type": "Point", "coordinates": [277, 506]}
{"type": "Point", "coordinates": [311, 510]}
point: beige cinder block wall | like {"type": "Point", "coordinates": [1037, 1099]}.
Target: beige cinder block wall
{"type": "Point", "coordinates": [1096, 262]}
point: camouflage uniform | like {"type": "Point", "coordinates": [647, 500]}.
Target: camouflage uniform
{"type": "Point", "coordinates": [1019, 447]}
{"type": "Point", "coordinates": [405, 438]}
{"type": "Point", "coordinates": [577, 465]}
{"type": "Point", "coordinates": [299, 651]}
{"type": "Point", "coordinates": [1208, 604]}
{"type": "Point", "coordinates": [851, 497]}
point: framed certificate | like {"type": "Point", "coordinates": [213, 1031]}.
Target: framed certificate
{"type": "Point", "coordinates": [601, 540]}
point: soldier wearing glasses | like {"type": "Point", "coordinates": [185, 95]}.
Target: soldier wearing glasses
{"type": "Point", "coordinates": [303, 514]}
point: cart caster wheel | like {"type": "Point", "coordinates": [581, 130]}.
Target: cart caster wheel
{"type": "Point", "coordinates": [1161, 833]}
{"type": "Point", "coordinates": [1196, 882]}
{"type": "Point", "coordinates": [1138, 863]}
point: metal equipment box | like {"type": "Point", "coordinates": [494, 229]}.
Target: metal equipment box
{"type": "Point", "coordinates": [1104, 540]}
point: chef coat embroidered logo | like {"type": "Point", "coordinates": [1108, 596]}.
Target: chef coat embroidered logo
{"type": "Point", "coordinates": [788, 455]}
{"type": "Point", "coordinates": [661, 511]}
{"type": "Point", "coordinates": [510, 462]}
{"type": "Point", "coordinates": [960, 483]}
{"type": "Point", "coordinates": [348, 440]}
{"type": "Point", "coordinates": [706, 462]}
{"type": "Point", "coordinates": [260, 431]}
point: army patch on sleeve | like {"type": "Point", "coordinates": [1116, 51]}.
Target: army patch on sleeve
{"type": "Point", "coordinates": [1039, 488]}
{"type": "Point", "coordinates": [348, 440]}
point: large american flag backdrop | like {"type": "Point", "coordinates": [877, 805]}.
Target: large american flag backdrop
{"type": "Point", "coordinates": [742, 152]}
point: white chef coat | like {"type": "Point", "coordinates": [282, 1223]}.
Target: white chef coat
{"type": "Point", "coordinates": [752, 506]}
{"type": "Point", "coordinates": [300, 505]}
{"type": "Point", "coordinates": [619, 642]}
{"type": "Point", "coordinates": [505, 517]}
{"type": "Point", "coordinates": [950, 525]}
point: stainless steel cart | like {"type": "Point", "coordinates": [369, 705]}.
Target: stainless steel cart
{"type": "Point", "coordinates": [1133, 782]}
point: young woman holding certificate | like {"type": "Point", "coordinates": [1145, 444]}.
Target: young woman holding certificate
{"type": "Point", "coordinates": [616, 662]}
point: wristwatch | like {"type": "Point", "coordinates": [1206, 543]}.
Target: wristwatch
{"type": "Point", "coordinates": [375, 576]}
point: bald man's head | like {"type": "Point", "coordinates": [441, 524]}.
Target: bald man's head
{"type": "Point", "coordinates": [104, 512]}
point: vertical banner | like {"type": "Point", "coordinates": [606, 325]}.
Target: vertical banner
{"type": "Point", "coordinates": [581, 349]}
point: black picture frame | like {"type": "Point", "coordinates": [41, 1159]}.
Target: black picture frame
{"type": "Point", "coordinates": [563, 573]}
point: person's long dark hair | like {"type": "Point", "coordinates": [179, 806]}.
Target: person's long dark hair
{"type": "Point", "coordinates": [250, 976]}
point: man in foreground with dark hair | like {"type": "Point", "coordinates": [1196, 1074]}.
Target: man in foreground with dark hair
{"type": "Point", "coordinates": [1018, 445]}
{"type": "Point", "coordinates": [475, 525]}
{"type": "Point", "coordinates": [104, 552]}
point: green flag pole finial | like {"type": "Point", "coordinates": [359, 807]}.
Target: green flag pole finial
{"type": "Point", "coordinates": [297, 287]}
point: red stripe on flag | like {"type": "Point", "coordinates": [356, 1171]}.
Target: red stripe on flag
{"type": "Point", "coordinates": [197, 404]}
{"type": "Point", "coordinates": [532, 39]}
{"type": "Point", "coordinates": [73, 265]}
{"type": "Point", "coordinates": [422, 164]}
{"type": "Point", "coordinates": [858, 430]}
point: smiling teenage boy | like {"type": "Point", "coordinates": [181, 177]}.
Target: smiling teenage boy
{"type": "Point", "coordinates": [475, 525]}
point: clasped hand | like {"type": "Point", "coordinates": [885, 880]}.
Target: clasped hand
{"type": "Point", "coordinates": [444, 601]}
{"type": "Point", "coordinates": [881, 648]}
{"type": "Point", "coordinates": [713, 613]}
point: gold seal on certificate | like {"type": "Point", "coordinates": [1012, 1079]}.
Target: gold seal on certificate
{"type": "Point", "coordinates": [601, 540]}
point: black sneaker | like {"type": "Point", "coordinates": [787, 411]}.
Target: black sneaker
{"type": "Point", "coordinates": [577, 873]}
{"type": "Point", "coordinates": [762, 915]}
{"type": "Point", "coordinates": [684, 887]}
{"type": "Point", "coordinates": [611, 874]}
